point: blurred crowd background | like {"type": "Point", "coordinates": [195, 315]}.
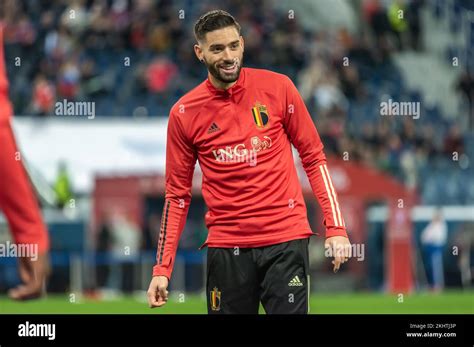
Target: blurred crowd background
{"type": "Point", "coordinates": [134, 59]}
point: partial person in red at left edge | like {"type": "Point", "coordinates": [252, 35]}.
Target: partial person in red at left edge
{"type": "Point", "coordinates": [18, 203]}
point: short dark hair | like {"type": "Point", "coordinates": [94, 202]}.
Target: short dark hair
{"type": "Point", "coordinates": [213, 20]}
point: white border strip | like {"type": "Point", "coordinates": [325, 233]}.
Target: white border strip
{"type": "Point", "coordinates": [455, 213]}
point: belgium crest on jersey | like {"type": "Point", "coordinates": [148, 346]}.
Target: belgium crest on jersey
{"type": "Point", "coordinates": [215, 299]}
{"type": "Point", "coordinates": [260, 115]}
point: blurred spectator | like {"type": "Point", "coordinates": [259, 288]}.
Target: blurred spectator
{"type": "Point", "coordinates": [151, 231]}
{"type": "Point", "coordinates": [409, 168]}
{"type": "Point", "coordinates": [320, 85]}
{"type": "Point", "coordinates": [376, 16]}
{"type": "Point", "coordinates": [414, 24]}
{"type": "Point", "coordinates": [43, 99]}
{"type": "Point", "coordinates": [23, 32]}
{"type": "Point", "coordinates": [103, 247]}
{"type": "Point", "coordinates": [350, 82]}
{"type": "Point", "coordinates": [464, 242]}
{"type": "Point", "coordinates": [454, 142]}
{"type": "Point", "coordinates": [57, 44]}
{"type": "Point", "coordinates": [398, 22]}
{"type": "Point", "coordinates": [62, 186]}
{"type": "Point", "coordinates": [92, 82]}
{"type": "Point", "coordinates": [125, 245]}
{"type": "Point", "coordinates": [119, 15]}
{"type": "Point", "coordinates": [394, 153]}
{"type": "Point", "coordinates": [68, 80]}
{"type": "Point", "coordinates": [433, 239]}
{"type": "Point", "coordinates": [159, 74]}
{"type": "Point", "coordinates": [465, 86]}
{"type": "Point", "coordinates": [75, 16]}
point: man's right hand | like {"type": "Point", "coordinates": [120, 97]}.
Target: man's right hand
{"type": "Point", "coordinates": [33, 274]}
{"type": "Point", "coordinates": [157, 292]}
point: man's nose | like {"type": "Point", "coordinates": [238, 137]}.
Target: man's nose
{"type": "Point", "coordinates": [227, 55]}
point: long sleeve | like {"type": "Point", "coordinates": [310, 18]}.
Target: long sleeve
{"type": "Point", "coordinates": [304, 136]}
{"type": "Point", "coordinates": [5, 105]}
{"type": "Point", "coordinates": [180, 162]}
{"type": "Point", "coordinates": [17, 198]}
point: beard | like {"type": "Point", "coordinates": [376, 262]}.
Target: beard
{"type": "Point", "coordinates": [217, 73]}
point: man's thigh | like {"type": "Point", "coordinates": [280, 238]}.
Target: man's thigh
{"type": "Point", "coordinates": [285, 271]}
{"type": "Point", "coordinates": [232, 282]}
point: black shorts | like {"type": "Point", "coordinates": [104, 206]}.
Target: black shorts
{"type": "Point", "coordinates": [238, 279]}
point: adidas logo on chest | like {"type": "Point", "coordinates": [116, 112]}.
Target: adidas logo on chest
{"type": "Point", "coordinates": [213, 128]}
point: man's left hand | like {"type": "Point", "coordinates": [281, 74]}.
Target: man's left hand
{"type": "Point", "coordinates": [338, 247]}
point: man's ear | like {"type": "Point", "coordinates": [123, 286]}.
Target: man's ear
{"type": "Point", "coordinates": [242, 43]}
{"type": "Point", "coordinates": [198, 52]}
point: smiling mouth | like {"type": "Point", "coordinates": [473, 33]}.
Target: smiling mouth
{"type": "Point", "coordinates": [228, 69]}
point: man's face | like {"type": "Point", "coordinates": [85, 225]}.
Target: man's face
{"type": "Point", "coordinates": [222, 52]}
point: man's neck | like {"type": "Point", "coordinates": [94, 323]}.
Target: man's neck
{"type": "Point", "coordinates": [219, 84]}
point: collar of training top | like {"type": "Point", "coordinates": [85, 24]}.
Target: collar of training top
{"type": "Point", "coordinates": [236, 88]}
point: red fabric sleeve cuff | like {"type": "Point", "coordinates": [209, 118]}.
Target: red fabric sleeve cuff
{"type": "Point", "coordinates": [160, 271]}
{"type": "Point", "coordinates": [336, 232]}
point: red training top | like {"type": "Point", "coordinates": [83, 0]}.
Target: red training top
{"type": "Point", "coordinates": [242, 138]}
{"type": "Point", "coordinates": [5, 106]}
{"type": "Point", "coordinates": [17, 199]}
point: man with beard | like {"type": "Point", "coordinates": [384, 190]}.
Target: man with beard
{"type": "Point", "coordinates": [258, 228]}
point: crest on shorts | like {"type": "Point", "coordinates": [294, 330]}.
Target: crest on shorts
{"type": "Point", "coordinates": [215, 299]}
{"type": "Point", "coordinates": [260, 115]}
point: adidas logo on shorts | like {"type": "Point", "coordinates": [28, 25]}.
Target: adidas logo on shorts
{"type": "Point", "coordinates": [295, 282]}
